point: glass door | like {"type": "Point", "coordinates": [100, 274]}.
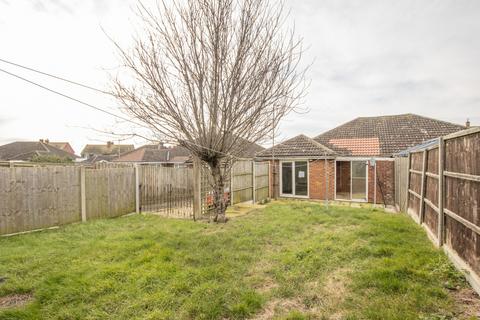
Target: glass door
{"type": "Point", "coordinates": [294, 178]}
{"type": "Point", "coordinates": [301, 178]}
{"type": "Point", "coordinates": [359, 180]}
{"type": "Point", "coordinates": [287, 182]}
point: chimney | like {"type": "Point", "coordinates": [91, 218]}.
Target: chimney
{"type": "Point", "coordinates": [467, 124]}
{"type": "Point", "coordinates": [109, 144]}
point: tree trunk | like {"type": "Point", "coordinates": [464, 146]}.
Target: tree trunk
{"type": "Point", "coordinates": [218, 193]}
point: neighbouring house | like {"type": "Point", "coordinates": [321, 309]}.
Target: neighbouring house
{"type": "Point", "coordinates": [29, 150]}
{"type": "Point", "coordinates": [156, 153]}
{"type": "Point", "coordinates": [104, 152]}
{"type": "Point", "coordinates": [176, 155]}
{"type": "Point", "coordinates": [65, 146]}
{"type": "Point", "coordinates": [352, 162]}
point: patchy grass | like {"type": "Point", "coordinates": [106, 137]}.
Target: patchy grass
{"type": "Point", "coordinates": [291, 260]}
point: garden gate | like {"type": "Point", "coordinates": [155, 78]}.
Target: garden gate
{"type": "Point", "coordinates": [167, 191]}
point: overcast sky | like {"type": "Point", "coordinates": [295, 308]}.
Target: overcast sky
{"type": "Point", "coordinates": [369, 58]}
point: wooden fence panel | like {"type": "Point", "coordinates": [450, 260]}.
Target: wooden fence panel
{"type": "Point", "coordinates": [417, 161]}
{"type": "Point", "coordinates": [431, 192]}
{"type": "Point", "coordinates": [110, 192]}
{"type": "Point", "coordinates": [401, 190]}
{"type": "Point", "coordinates": [38, 197]}
{"type": "Point", "coordinates": [246, 175]}
{"type": "Point", "coordinates": [262, 170]}
{"type": "Point", "coordinates": [462, 197]}
{"type": "Point", "coordinates": [242, 184]}
{"type": "Point", "coordinates": [431, 199]}
{"type": "Point", "coordinates": [446, 194]}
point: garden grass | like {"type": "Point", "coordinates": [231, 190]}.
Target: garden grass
{"type": "Point", "coordinates": [290, 260]}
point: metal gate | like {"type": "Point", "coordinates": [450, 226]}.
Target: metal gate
{"type": "Point", "coordinates": [166, 191]}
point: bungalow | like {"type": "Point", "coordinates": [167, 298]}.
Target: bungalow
{"type": "Point", "coordinates": [29, 150]}
{"type": "Point", "coordinates": [352, 162]}
{"type": "Point", "coordinates": [156, 153]}
{"type": "Point", "coordinates": [104, 152]}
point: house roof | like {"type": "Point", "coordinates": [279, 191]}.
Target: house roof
{"type": "Point", "coordinates": [99, 158]}
{"type": "Point", "coordinates": [106, 149]}
{"type": "Point", "coordinates": [61, 145]}
{"type": "Point", "coordinates": [299, 146]}
{"type": "Point", "coordinates": [155, 153]}
{"type": "Point", "coordinates": [248, 150]}
{"type": "Point", "coordinates": [25, 150]}
{"type": "Point", "coordinates": [384, 135]}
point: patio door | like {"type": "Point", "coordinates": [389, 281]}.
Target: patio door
{"type": "Point", "coordinates": [359, 180]}
{"type": "Point", "coordinates": [351, 180]}
{"type": "Point", "coordinates": [294, 177]}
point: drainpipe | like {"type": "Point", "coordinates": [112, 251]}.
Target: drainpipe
{"type": "Point", "coordinates": [326, 181]}
{"type": "Point", "coordinates": [375, 184]}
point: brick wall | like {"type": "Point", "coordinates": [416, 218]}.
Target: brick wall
{"type": "Point", "coordinates": [385, 182]}
{"type": "Point", "coordinates": [318, 181]}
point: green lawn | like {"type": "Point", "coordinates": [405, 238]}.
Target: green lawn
{"type": "Point", "coordinates": [291, 260]}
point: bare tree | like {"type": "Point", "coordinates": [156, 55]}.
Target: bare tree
{"type": "Point", "coordinates": [211, 75]}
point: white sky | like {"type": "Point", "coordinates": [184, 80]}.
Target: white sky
{"type": "Point", "coordinates": [369, 58]}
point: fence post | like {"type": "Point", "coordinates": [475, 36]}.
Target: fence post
{"type": "Point", "coordinates": [441, 214]}
{"type": "Point", "coordinates": [83, 195]}
{"type": "Point", "coordinates": [231, 183]}
{"type": "Point", "coordinates": [408, 181]}
{"type": "Point", "coordinates": [253, 181]}
{"type": "Point", "coordinates": [423, 186]}
{"type": "Point", "coordinates": [137, 189]}
{"type": "Point", "coordinates": [197, 188]}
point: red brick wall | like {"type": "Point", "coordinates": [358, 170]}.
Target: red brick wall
{"type": "Point", "coordinates": [385, 182]}
{"type": "Point", "coordinates": [317, 179]}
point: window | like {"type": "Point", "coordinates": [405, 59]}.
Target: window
{"type": "Point", "coordinates": [294, 177]}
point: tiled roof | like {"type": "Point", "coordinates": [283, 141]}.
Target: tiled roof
{"type": "Point", "coordinates": [99, 158]}
{"type": "Point", "coordinates": [159, 153]}
{"type": "Point", "coordinates": [299, 146]}
{"type": "Point", "coordinates": [358, 146]}
{"type": "Point", "coordinates": [106, 149]}
{"type": "Point", "coordinates": [384, 135]}
{"type": "Point", "coordinates": [248, 149]}
{"type": "Point", "coordinates": [65, 146]}
{"type": "Point", "coordinates": [151, 153]}
{"type": "Point", "coordinates": [25, 150]}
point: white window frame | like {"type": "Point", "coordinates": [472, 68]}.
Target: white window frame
{"type": "Point", "coordinates": [367, 167]}
{"type": "Point", "coordinates": [293, 195]}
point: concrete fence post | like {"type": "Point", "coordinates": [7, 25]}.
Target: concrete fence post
{"type": "Point", "coordinates": [231, 183]}
{"type": "Point", "coordinates": [137, 189]}
{"type": "Point", "coordinates": [83, 195]}
{"type": "Point", "coordinates": [253, 182]}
